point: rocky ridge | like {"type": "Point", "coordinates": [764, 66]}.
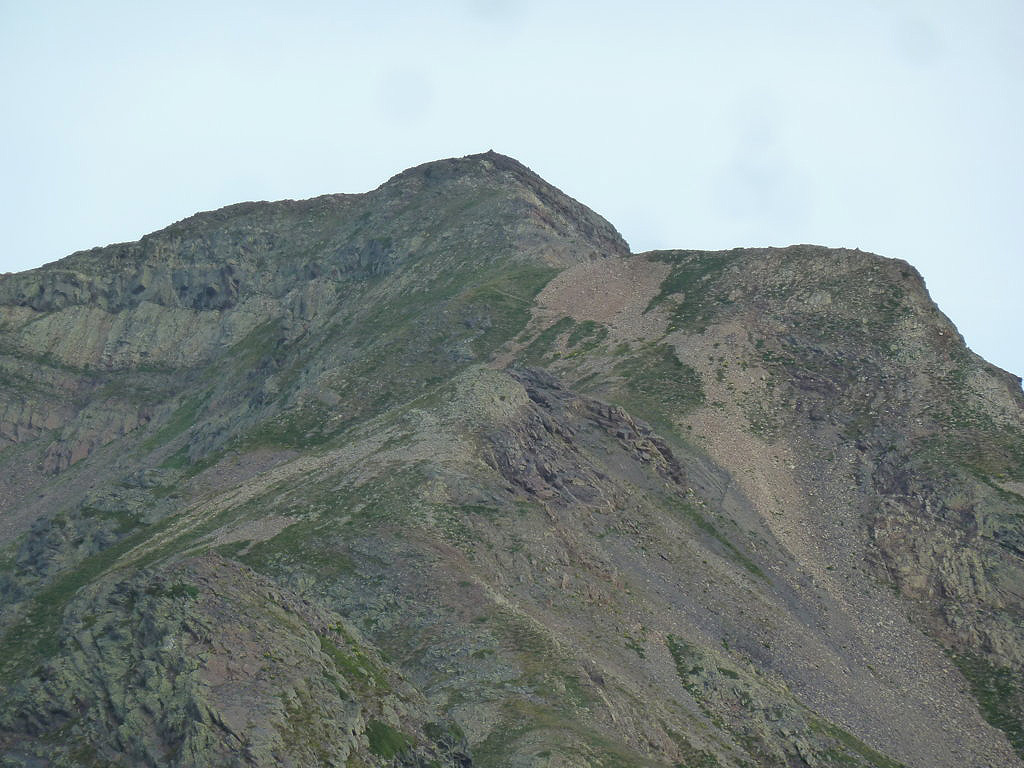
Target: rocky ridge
{"type": "Point", "coordinates": [443, 474]}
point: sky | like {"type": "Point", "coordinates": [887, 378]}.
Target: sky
{"type": "Point", "coordinates": [894, 126]}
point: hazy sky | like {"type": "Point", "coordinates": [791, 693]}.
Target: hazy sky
{"type": "Point", "coordinates": [893, 126]}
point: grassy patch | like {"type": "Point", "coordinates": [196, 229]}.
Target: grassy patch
{"type": "Point", "coordinates": [398, 347]}
{"type": "Point", "coordinates": [986, 452]}
{"type": "Point", "coordinates": [232, 549]}
{"type": "Point", "coordinates": [693, 278]}
{"type": "Point", "coordinates": [540, 349]}
{"type": "Point", "coordinates": [695, 516]}
{"type": "Point", "coordinates": [541, 661]}
{"type": "Point", "coordinates": [355, 666]}
{"type": "Point", "coordinates": [553, 737]}
{"type": "Point", "coordinates": [635, 645]}
{"type": "Point", "coordinates": [182, 418]}
{"type": "Point", "coordinates": [506, 298]}
{"type": "Point", "coordinates": [257, 344]}
{"type": "Point", "coordinates": [302, 543]}
{"type": "Point", "coordinates": [177, 460]}
{"type": "Point", "coordinates": [658, 386]}
{"type": "Point", "coordinates": [999, 692]}
{"type": "Point", "coordinates": [586, 336]}
{"type": "Point", "coordinates": [448, 732]}
{"type": "Point", "coordinates": [687, 659]}
{"type": "Point", "coordinates": [385, 741]}
{"type": "Point", "coordinates": [299, 427]}
{"type": "Point", "coordinates": [124, 520]}
{"type": "Point", "coordinates": [848, 749]}
{"type": "Point", "coordinates": [178, 591]}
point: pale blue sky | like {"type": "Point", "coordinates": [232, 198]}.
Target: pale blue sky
{"type": "Point", "coordinates": [895, 126]}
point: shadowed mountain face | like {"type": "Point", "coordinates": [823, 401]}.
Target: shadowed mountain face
{"type": "Point", "coordinates": [442, 474]}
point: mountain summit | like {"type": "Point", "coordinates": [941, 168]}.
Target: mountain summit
{"type": "Point", "coordinates": [443, 474]}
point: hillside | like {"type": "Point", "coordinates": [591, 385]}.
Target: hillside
{"type": "Point", "coordinates": [443, 474]}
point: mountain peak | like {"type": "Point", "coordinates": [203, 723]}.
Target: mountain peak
{"type": "Point", "coordinates": [492, 170]}
{"type": "Point", "coordinates": [473, 164]}
{"type": "Point", "coordinates": [441, 474]}
{"type": "Point", "coordinates": [215, 258]}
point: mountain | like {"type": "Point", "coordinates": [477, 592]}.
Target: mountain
{"type": "Point", "coordinates": [444, 475]}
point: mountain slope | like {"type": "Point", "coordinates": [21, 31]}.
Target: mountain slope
{"type": "Point", "coordinates": [443, 472]}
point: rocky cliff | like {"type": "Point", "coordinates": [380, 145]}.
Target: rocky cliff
{"type": "Point", "coordinates": [442, 474]}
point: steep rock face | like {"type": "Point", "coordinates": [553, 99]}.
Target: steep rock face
{"type": "Point", "coordinates": [541, 455]}
{"type": "Point", "coordinates": [442, 472]}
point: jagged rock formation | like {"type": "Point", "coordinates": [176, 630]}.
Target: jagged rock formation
{"type": "Point", "coordinates": [442, 474]}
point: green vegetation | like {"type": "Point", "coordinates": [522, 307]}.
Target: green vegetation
{"type": "Point", "coordinates": [540, 349]}
{"type": "Point", "coordinates": [353, 664]}
{"type": "Point", "coordinates": [1000, 695]}
{"type": "Point", "coordinates": [232, 549]}
{"type": "Point", "coordinates": [177, 460]}
{"type": "Point", "coordinates": [183, 418]}
{"type": "Point", "coordinates": [124, 520]}
{"type": "Point", "coordinates": [182, 460]}
{"type": "Point", "coordinates": [385, 741]}
{"type": "Point", "coordinates": [995, 452]}
{"type": "Point", "coordinates": [299, 427]}
{"type": "Point", "coordinates": [697, 517]}
{"type": "Point", "coordinates": [847, 749]}
{"type": "Point", "coordinates": [505, 300]}
{"type": "Point", "coordinates": [635, 645]}
{"type": "Point", "coordinates": [694, 274]}
{"type": "Point", "coordinates": [657, 387]}
{"type": "Point", "coordinates": [447, 733]}
{"type": "Point", "coordinates": [587, 335]}
{"type": "Point", "coordinates": [247, 354]}
{"type": "Point", "coordinates": [553, 733]}
{"type": "Point", "coordinates": [397, 349]}
{"type": "Point", "coordinates": [182, 591]}
{"type": "Point", "coordinates": [687, 659]}
{"type": "Point", "coordinates": [545, 669]}
{"type": "Point", "coordinates": [459, 524]}
{"type": "Point", "coordinates": [302, 544]}
{"type": "Point", "coordinates": [657, 376]}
